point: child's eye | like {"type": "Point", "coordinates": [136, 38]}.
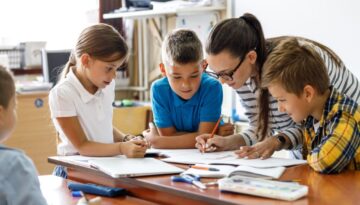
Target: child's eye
{"type": "Point", "coordinates": [194, 76]}
{"type": "Point", "coordinates": [176, 77]}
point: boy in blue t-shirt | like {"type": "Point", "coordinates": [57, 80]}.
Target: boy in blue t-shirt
{"type": "Point", "coordinates": [18, 176]}
{"type": "Point", "coordinates": [185, 102]}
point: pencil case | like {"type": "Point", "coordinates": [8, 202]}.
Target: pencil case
{"type": "Point", "coordinates": [96, 189]}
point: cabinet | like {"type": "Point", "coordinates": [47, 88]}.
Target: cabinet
{"type": "Point", "coordinates": [34, 132]}
{"type": "Point", "coordinates": [132, 120]}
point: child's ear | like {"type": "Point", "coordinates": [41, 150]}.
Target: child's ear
{"type": "Point", "coordinates": [252, 56]}
{"type": "Point", "coordinates": [309, 92]}
{"type": "Point", "coordinates": [162, 69]}
{"type": "Point", "coordinates": [85, 59]}
{"type": "Point", "coordinates": [204, 64]}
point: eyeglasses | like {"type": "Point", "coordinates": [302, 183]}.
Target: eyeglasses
{"type": "Point", "coordinates": [224, 75]}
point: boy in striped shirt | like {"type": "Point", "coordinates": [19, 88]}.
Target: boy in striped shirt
{"type": "Point", "coordinates": [296, 77]}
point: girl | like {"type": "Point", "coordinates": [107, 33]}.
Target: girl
{"type": "Point", "coordinates": [236, 51]}
{"type": "Point", "coordinates": [81, 103]}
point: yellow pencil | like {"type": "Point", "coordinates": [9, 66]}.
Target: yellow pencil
{"type": "Point", "coordinates": [216, 126]}
{"type": "Point", "coordinates": [213, 131]}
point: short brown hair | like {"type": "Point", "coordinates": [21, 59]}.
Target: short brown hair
{"type": "Point", "coordinates": [294, 65]}
{"type": "Point", "coordinates": [7, 87]}
{"type": "Point", "coordinates": [182, 46]}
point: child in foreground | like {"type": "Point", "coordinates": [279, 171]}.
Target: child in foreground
{"type": "Point", "coordinates": [296, 77]}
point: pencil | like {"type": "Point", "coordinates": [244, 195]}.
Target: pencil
{"type": "Point", "coordinates": [213, 131]}
{"type": "Point", "coordinates": [216, 126]}
{"type": "Point", "coordinates": [205, 168]}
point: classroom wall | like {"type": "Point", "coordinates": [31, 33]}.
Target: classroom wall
{"type": "Point", "coordinates": [334, 23]}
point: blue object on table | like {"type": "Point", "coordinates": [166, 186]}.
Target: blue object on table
{"type": "Point", "coordinates": [190, 179]}
{"type": "Point", "coordinates": [96, 189]}
{"type": "Point", "coordinates": [76, 194]}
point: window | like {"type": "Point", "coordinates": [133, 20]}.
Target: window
{"type": "Point", "coordinates": [58, 22]}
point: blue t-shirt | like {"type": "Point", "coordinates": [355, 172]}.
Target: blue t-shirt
{"type": "Point", "coordinates": [185, 115]}
{"type": "Point", "coordinates": [18, 179]}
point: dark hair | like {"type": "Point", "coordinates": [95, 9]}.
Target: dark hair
{"type": "Point", "coordinates": [182, 46]}
{"type": "Point", "coordinates": [7, 87]}
{"type": "Point", "coordinates": [100, 41]}
{"type": "Point", "coordinates": [294, 65]}
{"type": "Point", "coordinates": [239, 36]}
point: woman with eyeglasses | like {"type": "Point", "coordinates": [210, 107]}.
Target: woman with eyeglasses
{"type": "Point", "coordinates": [237, 50]}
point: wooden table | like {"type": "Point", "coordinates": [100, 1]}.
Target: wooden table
{"type": "Point", "coordinates": [56, 192]}
{"type": "Point", "coordinates": [338, 189]}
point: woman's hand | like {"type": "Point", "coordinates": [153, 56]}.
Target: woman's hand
{"type": "Point", "coordinates": [206, 143]}
{"type": "Point", "coordinates": [263, 150]}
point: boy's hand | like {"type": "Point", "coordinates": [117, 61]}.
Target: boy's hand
{"type": "Point", "coordinates": [226, 129]}
{"type": "Point", "coordinates": [206, 144]}
{"type": "Point", "coordinates": [133, 148]}
{"type": "Point", "coordinates": [263, 150]}
{"type": "Point", "coordinates": [151, 134]}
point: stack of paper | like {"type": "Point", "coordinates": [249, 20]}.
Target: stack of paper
{"type": "Point", "coordinates": [193, 156]}
{"type": "Point", "coordinates": [229, 171]}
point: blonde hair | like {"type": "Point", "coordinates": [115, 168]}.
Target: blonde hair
{"type": "Point", "coordinates": [100, 41]}
{"type": "Point", "coordinates": [181, 46]}
{"type": "Point", "coordinates": [7, 87]}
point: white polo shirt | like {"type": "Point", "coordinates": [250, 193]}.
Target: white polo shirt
{"type": "Point", "coordinates": [69, 98]}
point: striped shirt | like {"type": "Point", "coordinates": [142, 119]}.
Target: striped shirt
{"type": "Point", "coordinates": [335, 145]}
{"type": "Point", "coordinates": [340, 77]}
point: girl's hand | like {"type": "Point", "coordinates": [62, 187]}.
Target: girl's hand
{"type": "Point", "coordinates": [133, 148]}
{"type": "Point", "coordinates": [151, 134]}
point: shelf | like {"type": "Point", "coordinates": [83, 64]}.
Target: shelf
{"type": "Point", "coordinates": [133, 88]}
{"type": "Point", "coordinates": [161, 12]}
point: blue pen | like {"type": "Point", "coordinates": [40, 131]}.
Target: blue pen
{"type": "Point", "coordinates": [190, 179]}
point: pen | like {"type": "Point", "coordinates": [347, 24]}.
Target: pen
{"type": "Point", "coordinates": [214, 130]}
{"type": "Point", "coordinates": [199, 184]}
{"type": "Point", "coordinates": [205, 168]}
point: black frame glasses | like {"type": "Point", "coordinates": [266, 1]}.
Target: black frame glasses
{"type": "Point", "coordinates": [225, 75]}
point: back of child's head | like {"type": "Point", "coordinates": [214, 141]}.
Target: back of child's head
{"type": "Point", "coordinates": [101, 42]}
{"type": "Point", "coordinates": [182, 46]}
{"type": "Point", "coordinates": [7, 87]}
{"type": "Point", "coordinates": [294, 64]}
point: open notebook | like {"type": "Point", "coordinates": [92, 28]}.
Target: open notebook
{"type": "Point", "coordinates": [242, 170]}
{"type": "Point", "coordinates": [131, 167]}
{"type": "Point", "coordinates": [193, 156]}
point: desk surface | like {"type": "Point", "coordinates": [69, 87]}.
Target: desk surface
{"type": "Point", "coordinates": [323, 189]}
{"type": "Point", "coordinates": [56, 192]}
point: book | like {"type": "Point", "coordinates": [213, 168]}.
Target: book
{"type": "Point", "coordinates": [241, 170]}
{"type": "Point", "coordinates": [132, 167]}
{"type": "Point", "coordinates": [121, 166]}
{"type": "Point", "coordinates": [193, 156]}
